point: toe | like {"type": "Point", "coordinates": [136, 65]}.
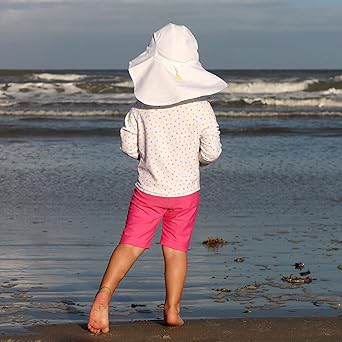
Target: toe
{"type": "Point", "coordinates": [105, 330]}
{"type": "Point", "coordinates": [93, 330]}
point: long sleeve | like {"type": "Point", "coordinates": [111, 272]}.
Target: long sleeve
{"type": "Point", "coordinates": [210, 144]}
{"type": "Point", "coordinates": [129, 136]}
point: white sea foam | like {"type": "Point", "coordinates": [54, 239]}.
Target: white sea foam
{"type": "Point", "coordinates": [332, 91]}
{"type": "Point", "coordinates": [3, 94]}
{"type": "Point", "coordinates": [58, 77]}
{"type": "Point", "coordinates": [259, 87]}
{"type": "Point", "coordinates": [7, 103]}
{"type": "Point", "coordinates": [338, 78]}
{"type": "Point", "coordinates": [5, 99]}
{"type": "Point", "coordinates": [125, 84]}
{"type": "Point", "coordinates": [61, 93]}
{"type": "Point", "coordinates": [294, 102]}
{"type": "Point", "coordinates": [99, 99]}
{"type": "Point", "coordinates": [42, 87]}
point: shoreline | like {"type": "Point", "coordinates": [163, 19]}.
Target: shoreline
{"type": "Point", "coordinates": [237, 330]}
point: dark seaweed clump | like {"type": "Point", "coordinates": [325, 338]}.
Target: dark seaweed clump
{"type": "Point", "coordinates": [214, 242]}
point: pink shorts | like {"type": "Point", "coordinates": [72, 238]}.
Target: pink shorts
{"type": "Point", "coordinates": [146, 211]}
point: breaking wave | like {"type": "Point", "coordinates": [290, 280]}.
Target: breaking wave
{"type": "Point", "coordinates": [84, 93]}
{"type": "Point", "coordinates": [58, 77]}
{"type": "Point", "coordinates": [293, 102]}
{"type": "Point", "coordinates": [268, 87]}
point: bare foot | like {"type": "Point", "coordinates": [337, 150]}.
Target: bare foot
{"type": "Point", "coordinates": [172, 317]}
{"type": "Point", "coordinates": [98, 318]}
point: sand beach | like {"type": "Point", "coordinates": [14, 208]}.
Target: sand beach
{"type": "Point", "coordinates": [234, 330]}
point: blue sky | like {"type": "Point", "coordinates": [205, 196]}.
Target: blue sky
{"type": "Point", "coordinates": [233, 34]}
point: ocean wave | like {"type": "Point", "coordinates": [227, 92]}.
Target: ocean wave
{"type": "Point", "coordinates": [108, 113]}
{"type": "Point", "coordinates": [126, 87]}
{"type": "Point", "coordinates": [61, 113]}
{"type": "Point", "coordinates": [57, 132]}
{"type": "Point", "coordinates": [268, 87]}
{"type": "Point", "coordinates": [42, 87]}
{"type": "Point", "coordinates": [324, 85]}
{"type": "Point", "coordinates": [332, 91]}
{"type": "Point", "coordinates": [58, 104]}
{"type": "Point", "coordinates": [76, 131]}
{"type": "Point", "coordinates": [58, 77]}
{"type": "Point", "coordinates": [3, 94]}
{"type": "Point", "coordinates": [290, 102]}
{"type": "Point", "coordinates": [65, 87]}
{"type": "Point", "coordinates": [249, 114]}
{"type": "Point", "coordinates": [92, 93]}
{"type": "Point", "coordinates": [105, 88]}
{"type": "Point", "coordinates": [294, 102]}
{"type": "Point", "coordinates": [282, 130]}
{"type": "Point", "coordinates": [125, 84]}
{"type": "Point", "coordinates": [7, 103]}
{"type": "Point", "coordinates": [5, 99]}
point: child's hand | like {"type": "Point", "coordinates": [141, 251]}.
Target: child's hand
{"type": "Point", "coordinates": [199, 160]}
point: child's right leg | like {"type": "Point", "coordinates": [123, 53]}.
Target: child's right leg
{"type": "Point", "coordinates": [178, 224]}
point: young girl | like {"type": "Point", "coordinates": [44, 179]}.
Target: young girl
{"type": "Point", "coordinates": [171, 131]}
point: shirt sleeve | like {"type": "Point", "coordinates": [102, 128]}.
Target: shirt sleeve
{"type": "Point", "coordinates": [129, 136]}
{"type": "Point", "coordinates": [210, 144]}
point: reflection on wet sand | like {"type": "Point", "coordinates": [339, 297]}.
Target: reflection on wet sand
{"type": "Point", "coordinates": [274, 199]}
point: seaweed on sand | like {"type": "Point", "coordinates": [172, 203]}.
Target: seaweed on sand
{"type": "Point", "coordinates": [214, 242]}
{"type": "Point", "coordinates": [297, 280]}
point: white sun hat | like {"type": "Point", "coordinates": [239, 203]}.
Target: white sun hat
{"type": "Point", "coordinates": [169, 71]}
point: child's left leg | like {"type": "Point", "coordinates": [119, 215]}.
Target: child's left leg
{"type": "Point", "coordinates": [143, 217]}
{"type": "Point", "coordinates": [119, 264]}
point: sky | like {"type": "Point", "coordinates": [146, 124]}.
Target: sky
{"type": "Point", "coordinates": [232, 34]}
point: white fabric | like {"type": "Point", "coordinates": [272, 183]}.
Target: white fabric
{"type": "Point", "coordinates": [169, 71]}
{"type": "Point", "coordinates": [170, 143]}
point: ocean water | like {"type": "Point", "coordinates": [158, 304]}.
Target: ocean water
{"type": "Point", "coordinates": [109, 92]}
{"type": "Point", "coordinates": [275, 195]}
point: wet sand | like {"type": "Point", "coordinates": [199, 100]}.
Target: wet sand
{"type": "Point", "coordinates": [276, 199]}
{"type": "Point", "coordinates": [237, 330]}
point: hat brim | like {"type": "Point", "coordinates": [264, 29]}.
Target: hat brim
{"type": "Point", "coordinates": [162, 84]}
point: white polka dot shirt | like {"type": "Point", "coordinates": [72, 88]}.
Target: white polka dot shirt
{"type": "Point", "coordinates": [171, 142]}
